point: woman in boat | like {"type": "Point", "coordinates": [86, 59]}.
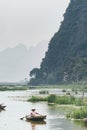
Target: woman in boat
{"type": "Point", "coordinates": [34, 113]}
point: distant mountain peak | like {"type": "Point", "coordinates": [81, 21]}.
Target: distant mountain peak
{"type": "Point", "coordinates": [17, 61]}
{"type": "Point", "coordinates": [20, 46]}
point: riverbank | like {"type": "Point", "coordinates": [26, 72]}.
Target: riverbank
{"type": "Point", "coordinates": [63, 94]}
{"type": "Point", "coordinates": [12, 88]}
{"type": "Point", "coordinates": [80, 86]}
{"type": "Point", "coordinates": [17, 108]}
{"type": "Point", "coordinates": [79, 111]}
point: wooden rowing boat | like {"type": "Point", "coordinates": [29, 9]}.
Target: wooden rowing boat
{"type": "Point", "coordinates": [36, 118]}
{"type": "Point", "coordinates": [2, 107]}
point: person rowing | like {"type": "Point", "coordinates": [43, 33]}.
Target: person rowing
{"type": "Point", "coordinates": [33, 113]}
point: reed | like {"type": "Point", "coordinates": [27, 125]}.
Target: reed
{"type": "Point", "coordinates": [78, 113]}
{"type": "Point", "coordinates": [37, 98]}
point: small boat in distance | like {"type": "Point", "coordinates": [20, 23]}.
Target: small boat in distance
{"type": "Point", "coordinates": [36, 118]}
{"type": "Point", "coordinates": [2, 107]}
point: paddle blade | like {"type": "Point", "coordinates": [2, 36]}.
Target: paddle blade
{"type": "Point", "coordinates": [21, 118]}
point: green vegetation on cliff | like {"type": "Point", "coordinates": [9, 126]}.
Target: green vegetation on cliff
{"type": "Point", "coordinates": [66, 58]}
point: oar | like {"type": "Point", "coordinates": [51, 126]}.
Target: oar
{"type": "Point", "coordinates": [22, 118]}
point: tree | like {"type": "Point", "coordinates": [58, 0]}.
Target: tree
{"type": "Point", "coordinates": [34, 72]}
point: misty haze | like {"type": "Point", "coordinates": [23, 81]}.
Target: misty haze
{"type": "Point", "coordinates": [43, 65]}
{"type": "Point", "coordinates": [16, 63]}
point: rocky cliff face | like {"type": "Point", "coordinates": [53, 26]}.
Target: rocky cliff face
{"type": "Point", "coordinates": [66, 58]}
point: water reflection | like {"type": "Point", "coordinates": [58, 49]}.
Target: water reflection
{"type": "Point", "coordinates": [10, 119]}
{"type": "Point", "coordinates": [82, 123]}
{"type": "Point", "coordinates": [2, 110]}
{"type": "Point", "coordinates": [36, 123]}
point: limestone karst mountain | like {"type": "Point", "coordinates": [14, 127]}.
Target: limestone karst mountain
{"type": "Point", "coordinates": [66, 57]}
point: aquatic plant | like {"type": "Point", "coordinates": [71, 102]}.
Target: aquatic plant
{"type": "Point", "coordinates": [78, 113]}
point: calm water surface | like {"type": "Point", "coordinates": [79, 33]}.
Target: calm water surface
{"type": "Point", "coordinates": [10, 118]}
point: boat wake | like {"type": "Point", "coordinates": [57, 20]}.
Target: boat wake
{"type": "Point", "coordinates": [56, 117]}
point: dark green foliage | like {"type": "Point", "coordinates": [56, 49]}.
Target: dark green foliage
{"type": "Point", "coordinates": [64, 90]}
{"type": "Point", "coordinates": [66, 58]}
{"type": "Point", "coordinates": [38, 98]}
{"type": "Point", "coordinates": [61, 99]}
{"type": "Point", "coordinates": [52, 98]}
{"type": "Point", "coordinates": [44, 92]}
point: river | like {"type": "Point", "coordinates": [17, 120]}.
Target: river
{"type": "Point", "coordinates": [17, 108]}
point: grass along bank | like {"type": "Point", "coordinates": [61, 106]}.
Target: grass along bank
{"type": "Point", "coordinates": [12, 88]}
{"type": "Point", "coordinates": [62, 100]}
{"type": "Point", "coordinates": [78, 113]}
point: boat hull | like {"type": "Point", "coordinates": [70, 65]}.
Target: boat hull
{"type": "Point", "coordinates": [36, 118]}
{"type": "Point", "coordinates": [2, 107]}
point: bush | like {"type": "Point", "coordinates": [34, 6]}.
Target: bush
{"type": "Point", "coordinates": [79, 113]}
{"type": "Point", "coordinates": [65, 100]}
{"type": "Point", "coordinates": [43, 92]}
{"type": "Point", "coordinates": [35, 99]}
{"type": "Point", "coordinates": [61, 99]}
{"type": "Point", "coordinates": [52, 98]}
{"type": "Point", "coordinates": [79, 102]}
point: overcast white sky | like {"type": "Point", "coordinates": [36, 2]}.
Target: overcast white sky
{"type": "Point", "coordinates": [29, 21]}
